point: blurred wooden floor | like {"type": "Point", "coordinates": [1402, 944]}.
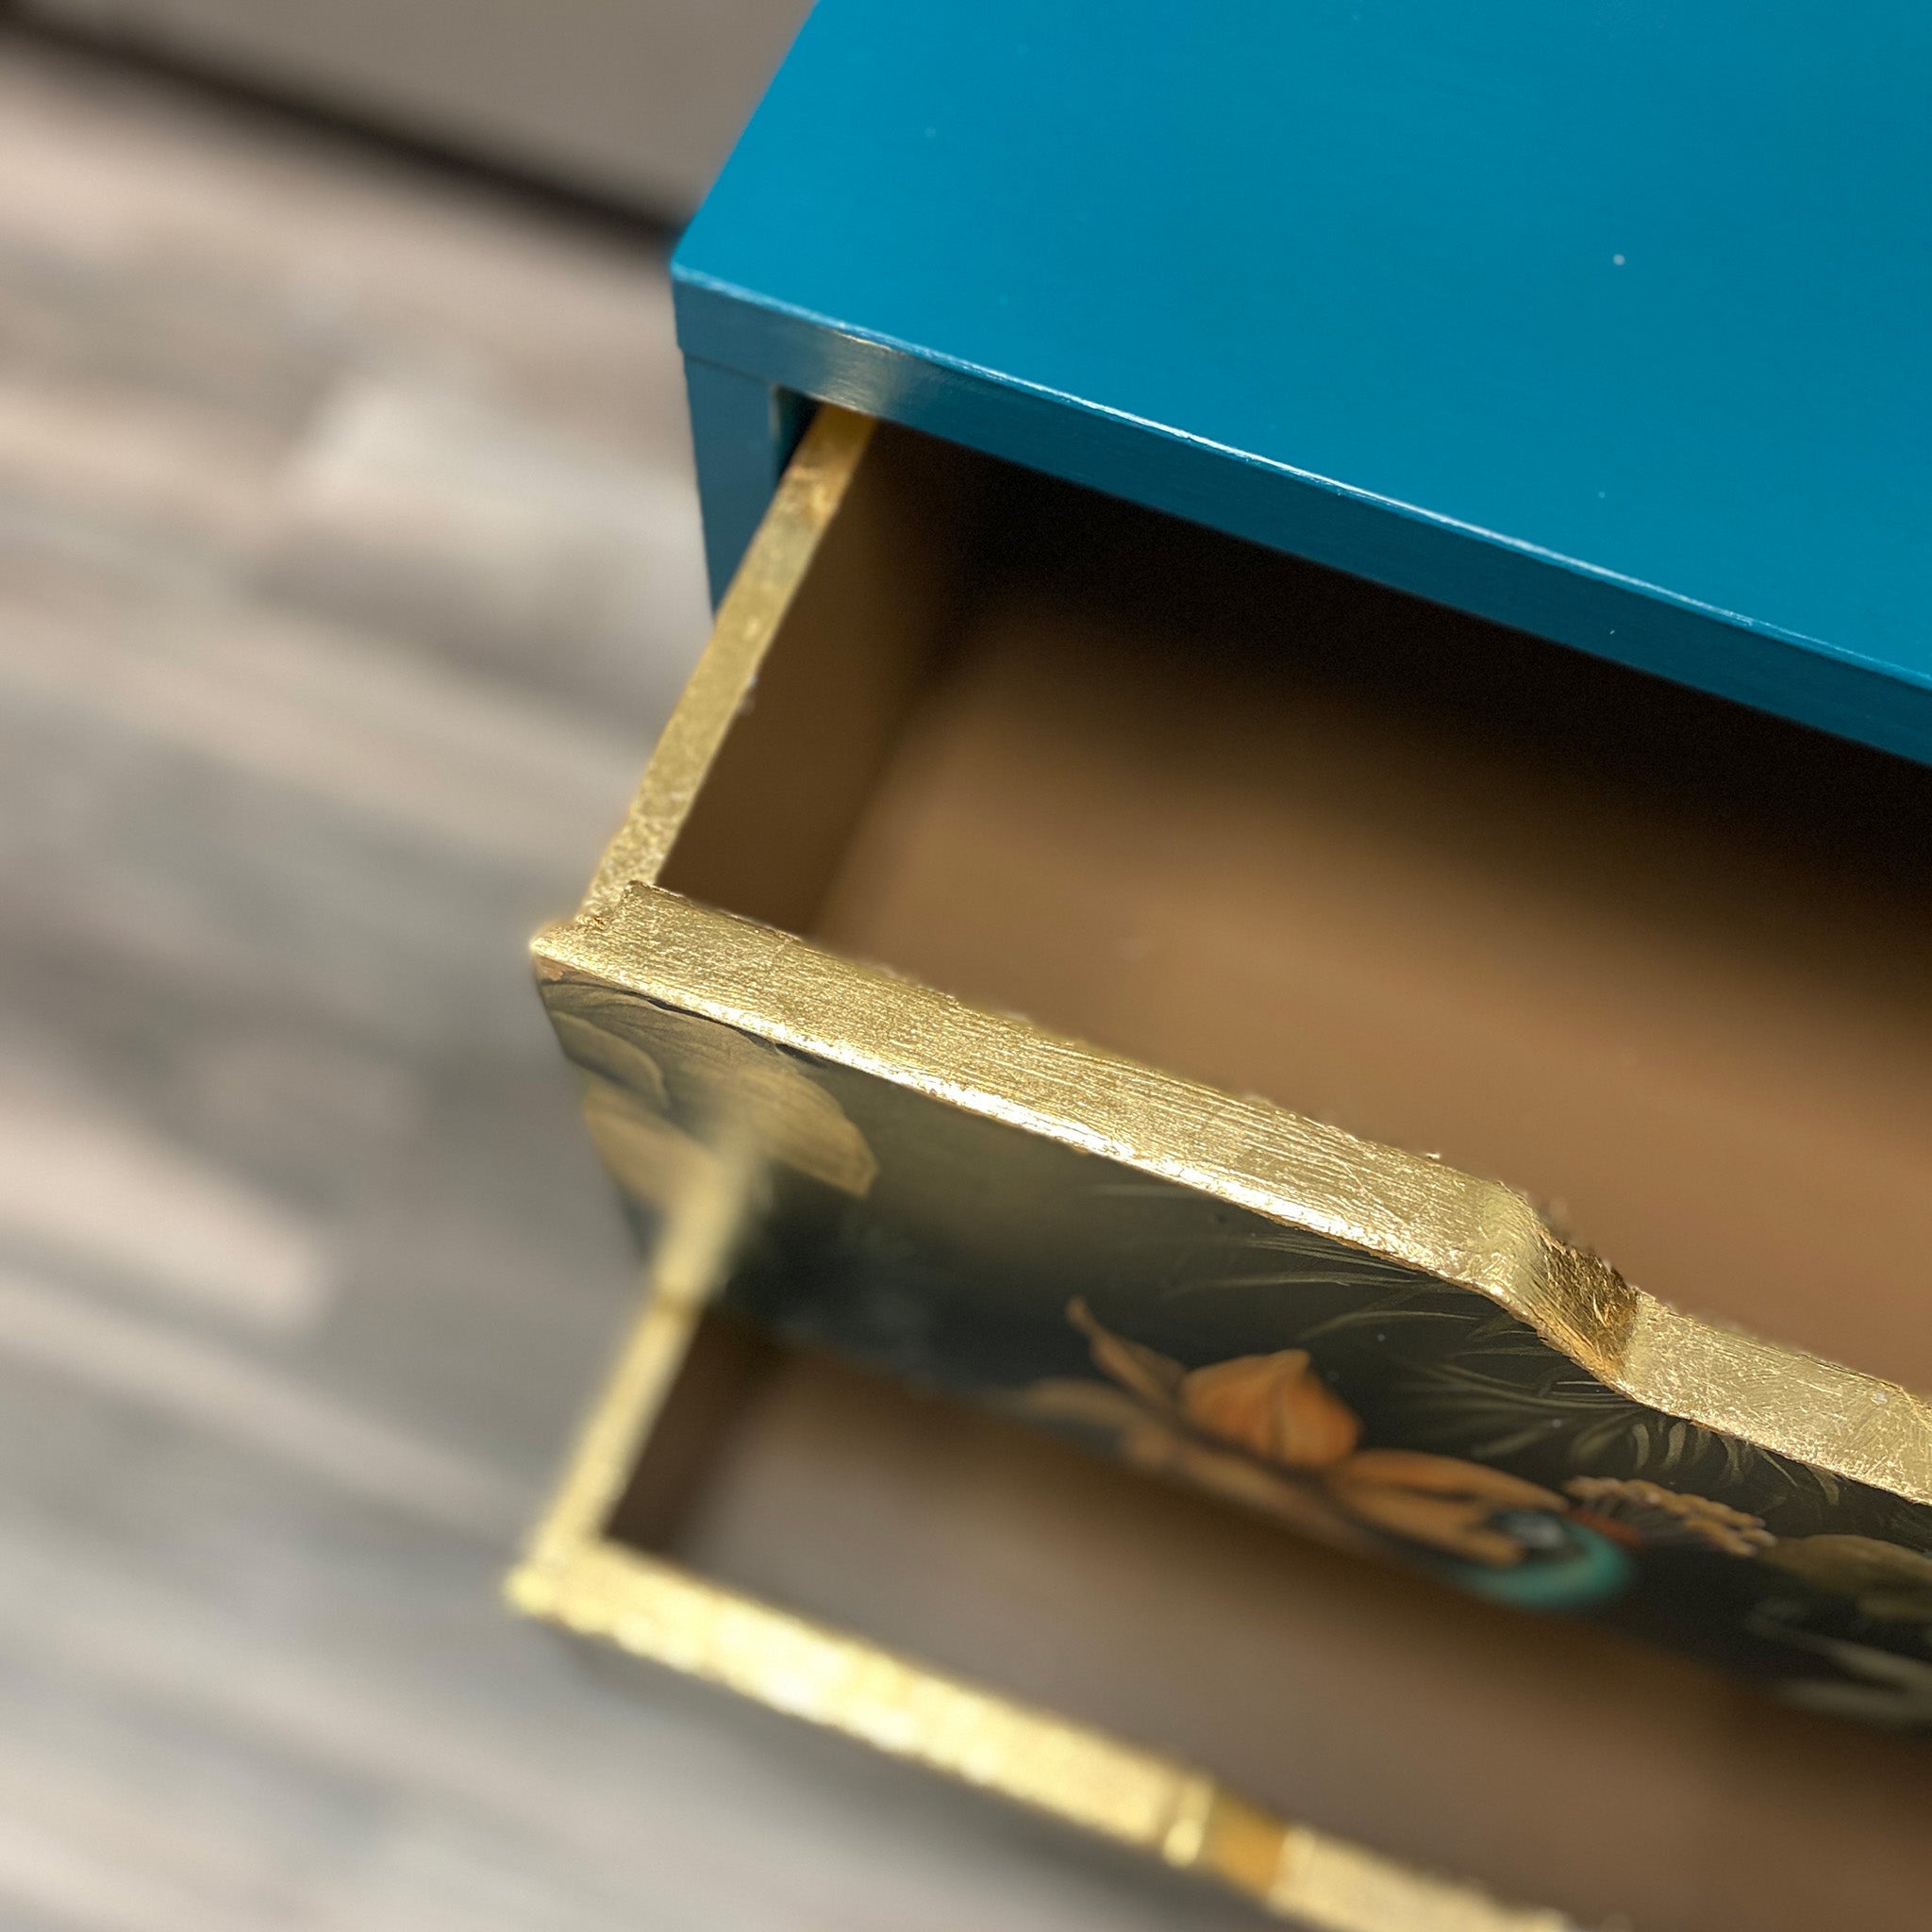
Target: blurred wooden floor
{"type": "Point", "coordinates": [348, 562]}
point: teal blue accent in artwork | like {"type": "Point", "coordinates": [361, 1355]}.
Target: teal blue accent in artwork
{"type": "Point", "coordinates": [1607, 321]}
{"type": "Point", "coordinates": [1584, 1569]}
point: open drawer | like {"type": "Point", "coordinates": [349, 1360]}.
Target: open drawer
{"type": "Point", "coordinates": [968, 1593]}
{"type": "Point", "coordinates": [1459, 904]}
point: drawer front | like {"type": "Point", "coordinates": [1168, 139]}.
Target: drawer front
{"type": "Point", "coordinates": [1365, 1344]}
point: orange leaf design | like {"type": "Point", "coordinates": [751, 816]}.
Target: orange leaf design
{"type": "Point", "coordinates": [1273, 1406]}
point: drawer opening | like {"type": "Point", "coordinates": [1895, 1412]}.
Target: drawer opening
{"type": "Point", "coordinates": [1554, 1762]}
{"type": "Point", "coordinates": [1663, 964]}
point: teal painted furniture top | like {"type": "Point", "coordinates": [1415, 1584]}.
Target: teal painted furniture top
{"type": "Point", "coordinates": [1608, 320]}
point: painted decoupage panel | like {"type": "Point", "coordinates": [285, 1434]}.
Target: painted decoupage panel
{"type": "Point", "coordinates": [1353, 1399]}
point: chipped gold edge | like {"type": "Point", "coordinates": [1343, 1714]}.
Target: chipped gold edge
{"type": "Point", "coordinates": [572, 1576]}
{"type": "Point", "coordinates": [1405, 1207]}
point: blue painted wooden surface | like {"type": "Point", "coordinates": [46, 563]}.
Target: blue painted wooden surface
{"type": "Point", "coordinates": [1613, 322]}
{"type": "Point", "coordinates": [744, 428]}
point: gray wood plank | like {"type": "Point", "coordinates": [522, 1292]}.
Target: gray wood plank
{"type": "Point", "coordinates": [348, 562]}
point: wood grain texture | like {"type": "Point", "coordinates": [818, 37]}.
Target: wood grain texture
{"type": "Point", "coordinates": [348, 560]}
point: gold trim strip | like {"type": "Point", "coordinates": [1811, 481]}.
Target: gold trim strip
{"type": "Point", "coordinates": [1144, 1800]}
{"type": "Point", "coordinates": [1328, 1882]}
{"type": "Point", "coordinates": [1403, 1207]}
{"type": "Point", "coordinates": [808, 499]}
{"type": "Point", "coordinates": [607, 1445]}
{"type": "Point", "coordinates": [688, 1264]}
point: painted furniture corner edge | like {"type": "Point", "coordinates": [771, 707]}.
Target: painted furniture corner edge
{"type": "Point", "coordinates": [1804, 680]}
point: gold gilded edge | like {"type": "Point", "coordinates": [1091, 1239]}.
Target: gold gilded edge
{"type": "Point", "coordinates": [774, 565]}
{"type": "Point", "coordinates": [1405, 1207]}
{"type": "Point", "coordinates": [688, 1261]}
{"type": "Point", "coordinates": [574, 1578]}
